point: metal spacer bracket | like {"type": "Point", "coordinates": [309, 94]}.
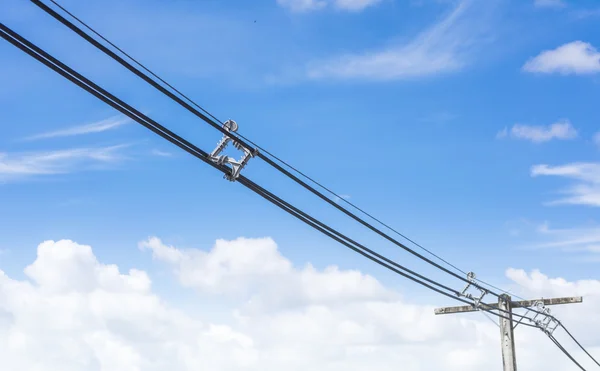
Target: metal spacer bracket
{"type": "Point", "coordinates": [471, 277]}
{"type": "Point", "coordinates": [236, 165]}
{"type": "Point", "coordinates": [543, 320]}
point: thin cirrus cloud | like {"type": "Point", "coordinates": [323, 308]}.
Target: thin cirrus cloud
{"type": "Point", "coordinates": [561, 130]}
{"type": "Point", "coordinates": [586, 187]}
{"type": "Point", "coordinates": [304, 6]}
{"type": "Point", "coordinates": [444, 47]}
{"type": "Point", "coordinates": [20, 166]}
{"type": "Point", "coordinates": [549, 3]}
{"type": "Point", "coordinates": [575, 58]}
{"type": "Point", "coordinates": [585, 238]}
{"type": "Point", "coordinates": [95, 127]}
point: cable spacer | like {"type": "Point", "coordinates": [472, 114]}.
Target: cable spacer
{"type": "Point", "coordinates": [215, 156]}
{"type": "Point", "coordinates": [471, 277]}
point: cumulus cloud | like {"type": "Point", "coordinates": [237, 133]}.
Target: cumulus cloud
{"type": "Point", "coordinates": [577, 57]}
{"type": "Point", "coordinates": [585, 190]}
{"type": "Point", "coordinates": [73, 313]}
{"type": "Point", "coordinates": [444, 47]}
{"type": "Point", "coordinates": [301, 6]}
{"type": "Point", "coordinates": [255, 269]}
{"type": "Point", "coordinates": [562, 130]}
{"type": "Point", "coordinates": [95, 127]}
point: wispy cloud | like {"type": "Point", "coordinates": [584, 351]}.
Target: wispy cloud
{"type": "Point", "coordinates": [19, 166]}
{"type": "Point", "coordinates": [585, 191]}
{"type": "Point", "coordinates": [586, 13]}
{"type": "Point", "coordinates": [549, 3]}
{"type": "Point", "coordinates": [562, 130]}
{"type": "Point", "coordinates": [586, 238]}
{"type": "Point", "coordinates": [96, 127]}
{"type": "Point", "coordinates": [302, 6]}
{"type": "Point", "coordinates": [596, 139]}
{"type": "Point", "coordinates": [577, 57]}
{"type": "Point", "coordinates": [158, 152]}
{"type": "Point", "coordinates": [444, 47]}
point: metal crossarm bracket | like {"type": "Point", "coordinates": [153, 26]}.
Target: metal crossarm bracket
{"type": "Point", "coordinates": [236, 165]}
{"type": "Point", "coordinates": [476, 299]}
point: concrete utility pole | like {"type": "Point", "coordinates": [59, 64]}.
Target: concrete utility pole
{"type": "Point", "coordinates": [509, 359]}
{"type": "Point", "coordinates": [507, 335]}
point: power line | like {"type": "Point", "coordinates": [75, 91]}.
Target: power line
{"type": "Point", "coordinates": [559, 345]}
{"type": "Point", "coordinates": [578, 344]}
{"type": "Point", "coordinates": [262, 149]}
{"type": "Point", "coordinates": [139, 117]}
{"type": "Point", "coordinates": [260, 155]}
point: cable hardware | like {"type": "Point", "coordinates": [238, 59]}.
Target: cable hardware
{"type": "Point", "coordinates": [215, 156]}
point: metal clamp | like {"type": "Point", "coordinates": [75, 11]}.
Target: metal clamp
{"type": "Point", "coordinates": [236, 165]}
{"type": "Point", "coordinates": [471, 277]}
{"type": "Point", "coordinates": [547, 324]}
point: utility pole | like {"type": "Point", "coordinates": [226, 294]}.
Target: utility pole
{"type": "Point", "coordinates": [507, 326]}
{"type": "Point", "coordinates": [507, 334]}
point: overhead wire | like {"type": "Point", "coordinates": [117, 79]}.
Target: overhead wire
{"type": "Point", "coordinates": [257, 189]}
{"type": "Point", "coordinates": [578, 343]}
{"type": "Point", "coordinates": [562, 348]}
{"type": "Point", "coordinates": [264, 150]}
{"type": "Point", "coordinates": [144, 120]}
{"type": "Point", "coordinates": [204, 116]}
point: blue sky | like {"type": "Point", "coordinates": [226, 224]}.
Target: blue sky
{"type": "Point", "coordinates": [470, 126]}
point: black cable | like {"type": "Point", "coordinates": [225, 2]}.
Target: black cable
{"type": "Point", "coordinates": [342, 236]}
{"type": "Point", "coordinates": [262, 149]}
{"type": "Point", "coordinates": [137, 116]}
{"type": "Point", "coordinates": [577, 342]}
{"type": "Point", "coordinates": [237, 137]}
{"type": "Point", "coordinates": [325, 230]}
{"type": "Point", "coordinates": [565, 351]}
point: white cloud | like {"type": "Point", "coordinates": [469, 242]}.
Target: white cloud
{"type": "Point", "coordinates": [354, 5]}
{"type": "Point", "coordinates": [577, 58]}
{"type": "Point", "coordinates": [597, 139]}
{"type": "Point", "coordinates": [586, 190]}
{"type": "Point", "coordinates": [586, 13]}
{"type": "Point", "coordinates": [18, 166]}
{"type": "Point", "coordinates": [160, 153]}
{"type": "Point", "coordinates": [75, 313]}
{"type": "Point", "coordinates": [442, 48]}
{"type": "Point", "coordinates": [96, 127]}
{"type": "Point", "coordinates": [585, 239]}
{"type": "Point", "coordinates": [549, 3]}
{"type": "Point", "coordinates": [301, 6]}
{"type": "Point", "coordinates": [562, 130]}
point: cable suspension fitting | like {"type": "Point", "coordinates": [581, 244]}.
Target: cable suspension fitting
{"type": "Point", "coordinates": [548, 323]}
{"type": "Point", "coordinates": [471, 278]}
{"type": "Point", "coordinates": [215, 156]}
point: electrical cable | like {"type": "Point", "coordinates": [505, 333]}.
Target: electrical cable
{"type": "Point", "coordinates": [201, 115]}
{"type": "Point", "coordinates": [577, 342]}
{"type": "Point", "coordinates": [559, 345]}
{"type": "Point", "coordinates": [137, 116]}
{"type": "Point", "coordinates": [262, 149]}
{"type": "Point", "coordinates": [314, 223]}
